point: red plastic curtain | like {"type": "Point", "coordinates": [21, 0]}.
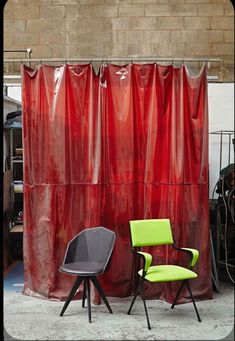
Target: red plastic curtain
{"type": "Point", "coordinates": [128, 143]}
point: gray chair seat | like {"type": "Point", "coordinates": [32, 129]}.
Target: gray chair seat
{"type": "Point", "coordinates": [83, 268]}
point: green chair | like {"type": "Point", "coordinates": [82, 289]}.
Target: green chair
{"type": "Point", "coordinates": [152, 232]}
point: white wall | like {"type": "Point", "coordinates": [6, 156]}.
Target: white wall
{"type": "Point", "coordinates": [221, 117]}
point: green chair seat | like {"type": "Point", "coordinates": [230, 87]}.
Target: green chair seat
{"type": "Point", "coordinates": [167, 273]}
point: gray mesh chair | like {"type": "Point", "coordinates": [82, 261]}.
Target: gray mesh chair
{"type": "Point", "coordinates": [87, 256]}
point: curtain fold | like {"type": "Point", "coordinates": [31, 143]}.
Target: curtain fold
{"type": "Point", "coordinates": [128, 143]}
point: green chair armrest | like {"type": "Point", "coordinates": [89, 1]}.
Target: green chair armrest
{"type": "Point", "coordinates": [148, 259]}
{"type": "Point", "coordinates": [194, 253]}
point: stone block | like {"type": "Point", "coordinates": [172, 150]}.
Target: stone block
{"type": "Point", "coordinates": [26, 39]}
{"type": "Point", "coordinates": [176, 50]}
{"type": "Point", "coordinates": [158, 10]}
{"type": "Point", "coordinates": [197, 36]}
{"type": "Point", "coordinates": [39, 25]}
{"type": "Point", "coordinates": [58, 51]}
{"type": "Point", "coordinates": [65, 2]}
{"type": "Point", "coordinates": [146, 50]}
{"type": "Point", "coordinates": [222, 49]}
{"type": "Point", "coordinates": [169, 23]}
{"type": "Point", "coordinates": [95, 24]}
{"type": "Point", "coordinates": [228, 8]}
{"type": "Point", "coordinates": [140, 1]}
{"type": "Point", "coordinates": [134, 49]}
{"type": "Point", "coordinates": [48, 38]}
{"type": "Point", "coordinates": [183, 36]}
{"type": "Point", "coordinates": [228, 74]}
{"type": "Point", "coordinates": [11, 26]}
{"type": "Point", "coordinates": [112, 2]}
{"type": "Point", "coordinates": [197, 49]}
{"type": "Point", "coordinates": [170, 2]}
{"type": "Point", "coordinates": [197, 1]}
{"type": "Point", "coordinates": [124, 37]}
{"type": "Point", "coordinates": [182, 10]}
{"type": "Point", "coordinates": [104, 11]}
{"type": "Point", "coordinates": [73, 50]}
{"type": "Point", "coordinates": [215, 36]}
{"type": "Point", "coordinates": [92, 2]}
{"type": "Point", "coordinates": [41, 51]}
{"type": "Point", "coordinates": [77, 11]}
{"type": "Point", "coordinates": [91, 50]}
{"type": "Point", "coordinates": [52, 12]}
{"type": "Point", "coordinates": [222, 23]}
{"type": "Point", "coordinates": [133, 23]}
{"type": "Point", "coordinates": [211, 10]}
{"type": "Point", "coordinates": [156, 37]}
{"type": "Point", "coordinates": [120, 50]}
{"type": "Point", "coordinates": [58, 25]}
{"type": "Point", "coordinates": [8, 40]}
{"type": "Point", "coordinates": [18, 2]}
{"type": "Point", "coordinates": [131, 10]}
{"type": "Point", "coordinates": [92, 37]}
{"type": "Point", "coordinates": [229, 36]}
{"type": "Point", "coordinates": [196, 23]}
{"type": "Point", "coordinates": [8, 12]}
{"type": "Point", "coordinates": [26, 11]}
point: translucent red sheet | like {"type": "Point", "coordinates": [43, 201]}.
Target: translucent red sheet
{"type": "Point", "coordinates": [128, 143]}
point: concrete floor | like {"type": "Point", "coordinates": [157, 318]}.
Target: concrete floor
{"type": "Point", "coordinates": [28, 318]}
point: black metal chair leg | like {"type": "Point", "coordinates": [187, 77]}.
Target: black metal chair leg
{"type": "Point", "coordinates": [132, 303]}
{"type": "Point", "coordinates": [88, 298]}
{"type": "Point", "coordinates": [145, 307]}
{"type": "Point", "coordinates": [84, 293]}
{"type": "Point", "coordinates": [101, 292]}
{"type": "Point", "coordinates": [71, 294]}
{"type": "Point", "coordinates": [194, 304]}
{"type": "Point", "coordinates": [177, 295]}
{"type": "Point", "coordinates": [133, 300]}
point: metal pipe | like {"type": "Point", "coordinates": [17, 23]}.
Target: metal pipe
{"type": "Point", "coordinates": [112, 59]}
{"type": "Point", "coordinates": [229, 148]}
{"type": "Point", "coordinates": [209, 78]}
{"type": "Point", "coordinates": [12, 76]}
{"type": "Point", "coordinates": [221, 142]}
{"type": "Point", "coordinates": [28, 50]}
{"type": "Point", "coordinates": [224, 132]}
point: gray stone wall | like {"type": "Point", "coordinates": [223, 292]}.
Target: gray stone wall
{"type": "Point", "coordinates": [105, 28]}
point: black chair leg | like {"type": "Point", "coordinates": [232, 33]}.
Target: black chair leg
{"type": "Point", "coordinates": [101, 292]}
{"type": "Point", "coordinates": [145, 308]}
{"type": "Point", "coordinates": [194, 304]}
{"type": "Point", "coordinates": [177, 295]}
{"type": "Point", "coordinates": [88, 298]}
{"type": "Point", "coordinates": [71, 294]}
{"type": "Point", "coordinates": [84, 293]}
{"type": "Point", "coordinates": [133, 301]}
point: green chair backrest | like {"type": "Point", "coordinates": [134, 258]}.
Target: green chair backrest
{"type": "Point", "coordinates": [151, 232]}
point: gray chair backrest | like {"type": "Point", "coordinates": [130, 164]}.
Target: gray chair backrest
{"type": "Point", "coordinates": [91, 245]}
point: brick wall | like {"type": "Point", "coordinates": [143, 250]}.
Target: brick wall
{"type": "Point", "coordinates": [99, 28]}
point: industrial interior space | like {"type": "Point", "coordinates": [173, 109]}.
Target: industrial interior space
{"type": "Point", "coordinates": [118, 169]}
